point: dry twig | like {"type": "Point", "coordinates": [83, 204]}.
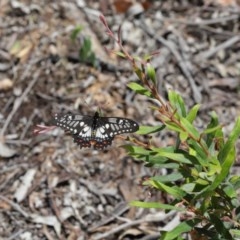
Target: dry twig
{"type": "Point", "coordinates": [196, 93]}
{"type": "Point", "coordinates": [18, 102]}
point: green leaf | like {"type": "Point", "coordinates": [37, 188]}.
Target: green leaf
{"type": "Point", "coordinates": [168, 178]}
{"type": "Point", "coordinates": [85, 53]}
{"type": "Point", "coordinates": [214, 132]}
{"type": "Point", "coordinates": [139, 89]}
{"type": "Point", "coordinates": [155, 205]}
{"type": "Point", "coordinates": [149, 129]}
{"type": "Point", "coordinates": [230, 144]}
{"type": "Point", "coordinates": [191, 116]}
{"type": "Point", "coordinates": [174, 127]}
{"type": "Point", "coordinates": [173, 190]}
{"type": "Point", "coordinates": [151, 72]}
{"type": "Point", "coordinates": [136, 150]}
{"type": "Point", "coordinates": [196, 150]}
{"type": "Point", "coordinates": [235, 233]}
{"type": "Point", "coordinates": [189, 187]}
{"type": "Point", "coordinates": [177, 102]}
{"type": "Point", "coordinates": [178, 157]}
{"type": "Point", "coordinates": [75, 32]}
{"type": "Point", "coordinates": [220, 227]}
{"type": "Point", "coordinates": [166, 165]}
{"type": "Point", "coordinates": [147, 58]}
{"type": "Point", "coordinates": [181, 228]}
{"type": "Point", "coordinates": [221, 176]}
{"type": "Point", "coordinates": [120, 54]}
{"type": "Point", "coordinates": [183, 136]}
{"type": "Point", "coordinates": [235, 181]}
{"type": "Point", "coordinates": [230, 191]}
{"type": "Point", "coordinates": [190, 128]}
{"type": "Point", "coordinates": [85, 49]}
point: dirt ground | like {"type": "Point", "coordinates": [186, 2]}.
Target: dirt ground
{"type": "Point", "coordinates": [49, 187]}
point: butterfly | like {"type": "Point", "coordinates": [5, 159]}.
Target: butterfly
{"type": "Point", "coordinates": [94, 130]}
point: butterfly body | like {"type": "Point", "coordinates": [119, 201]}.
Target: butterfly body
{"type": "Point", "coordinates": [95, 130]}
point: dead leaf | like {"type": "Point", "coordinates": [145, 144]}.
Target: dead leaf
{"type": "Point", "coordinates": [4, 205]}
{"type": "Point", "coordinates": [131, 233]}
{"type": "Point", "coordinates": [4, 66]}
{"type": "Point", "coordinates": [24, 53]}
{"type": "Point", "coordinates": [6, 152]}
{"type": "Point", "coordinates": [6, 84]}
{"type": "Point", "coordinates": [223, 3]}
{"type": "Point", "coordinates": [27, 179]}
{"type": "Point", "coordinates": [49, 221]}
{"type": "Point", "coordinates": [121, 6]}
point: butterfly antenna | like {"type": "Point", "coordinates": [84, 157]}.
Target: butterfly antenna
{"type": "Point", "coordinates": [86, 104]}
{"type": "Point", "coordinates": [103, 105]}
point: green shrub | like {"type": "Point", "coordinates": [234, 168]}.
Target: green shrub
{"type": "Point", "coordinates": [199, 179]}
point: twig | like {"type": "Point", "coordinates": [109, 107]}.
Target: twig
{"type": "Point", "coordinates": [15, 206]}
{"type": "Point", "coordinates": [201, 22]}
{"type": "Point", "coordinates": [119, 228]}
{"type": "Point", "coordinates": [8, 169]}
{"type": "Point", "coordinates": [196, 93]}
{"type": "Point", "coordinates": [34, 113]}
{"type": "Point", "coordinates": [18, 103]}
{"type": "Point", "coordinates": [119, 210]}
{"type": "Point", "coordinates": [47, 233]}
{"type": "Point", "coordinates": [151, 237]}
{"type": "Point", "coordinates": [211, 52]}
{"type": "Point", "coordinates": [222, 34]}
{"type": "Point", "coordinates": [133, 223]}
{"type": "Point", "coordinates": [16, 234]}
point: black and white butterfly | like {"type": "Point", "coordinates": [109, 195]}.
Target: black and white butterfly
{"type": "Point", "coordinates": [94, 130]}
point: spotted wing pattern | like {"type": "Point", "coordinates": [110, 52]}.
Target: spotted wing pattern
{"type": "Point", "coordinates": [95, 130]}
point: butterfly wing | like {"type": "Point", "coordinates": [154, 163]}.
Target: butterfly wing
{"type": "Point", "coordinates": [108, 127]}
{"type": "Point", "coordinates": [78, 125]}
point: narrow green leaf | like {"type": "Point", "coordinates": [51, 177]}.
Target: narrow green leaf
{"type": "Point", "coordinates": [212, 130]}
{"type": "Point", "coordinates": [191, 116]}
{"type": "Point", "coordinates": [189, 187]}
{"type": "Point", "coordinates": [168, 178]}
{"type": "Point", "coordinates": [174, 127]}
{"type": "Point", "coordinates": [75, 32]}
{"type": "Point", "coordinates": [149, 129]}
{"type": "Point", "coordinates": [196, 150]}
{"type": "Point", "coordinates": [177, 102]}
{"type": "Point", "coordinates": [203, 182]}
{"type": "Point", "coordinates": [230, 144]}
{"type": "Point", "coordinates": [178, 157]}
{"type": "Point", "coordinates": [165, 165]}
{"type": "Point", "coordinates": [180, 229]}
{"type": "Point", "coordinates": [136, 150]}
{"type": "Point", "coordinates": [155, 205]}
{"type": "Point", "coordinates": [173, 190]}
{"type": "Point", "coordinates": [86, 50]}
{"type": "Point", "coordinates": [221, 176]}
{"type": "Point", "coordinates": [183, 136]}
{"type": "Point", "coordinates": [190, 128]}
{"type": "Point", "coordinates": [139, 89]}
{"type": "Point", "coordinates": [120, 54]}
{"type": "Point", "coordinates": [215, 133]}
{"type": "Point", "coordinates": [151, 72]}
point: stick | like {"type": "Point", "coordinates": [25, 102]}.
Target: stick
{"type": "Point", "coordinates": [196, 93]}
{"type": "Point", "coordinates": [18, 103]}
